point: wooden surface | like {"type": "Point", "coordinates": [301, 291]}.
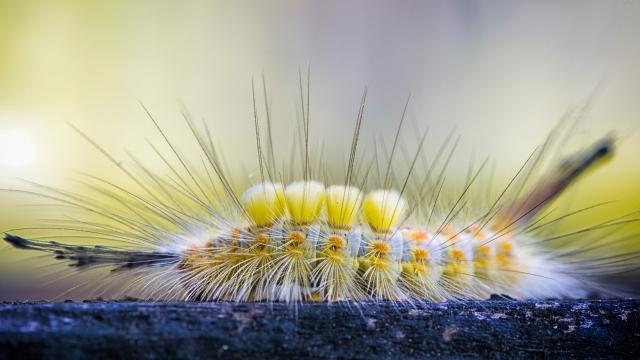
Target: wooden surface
{"type": "Point", "coordinates": [498, 329]}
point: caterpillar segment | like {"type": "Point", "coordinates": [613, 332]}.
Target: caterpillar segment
{"type": "Point", "coordinates": [335, 274]}
{"type": "Point", "coordinates": [308, 242]}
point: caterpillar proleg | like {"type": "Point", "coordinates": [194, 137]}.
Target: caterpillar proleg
{"type": "Point", "coordinates": [374, 233]}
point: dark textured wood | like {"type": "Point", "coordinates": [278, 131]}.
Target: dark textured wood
{"type": "Point", "coordinates": [499, 329]}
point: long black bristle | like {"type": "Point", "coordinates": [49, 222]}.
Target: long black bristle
{"type": "Point", "coordinates": [17, 241]}
{"type": "Point", "coordinates": [83, 256]}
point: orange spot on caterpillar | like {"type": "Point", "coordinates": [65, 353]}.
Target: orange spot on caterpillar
{"type": "Point", "coordinates": [505, 248]}
{"type": "Point", "coordinates": [262, 239]}
{"type": "Point", "coordinates": [456, 254]}
{"type": "Point", "coordinates": [417, 235]}
{"type": "Point", "coordinates": [476, 231]}
{"type": "Point", "coordinates": [451, 233]}
{"type": "Point", "coordinates": [483, 251]}
{"type": "Point", "coordinates": [337, 241]}
{"type": "Point", "coordinates": [380, 248]}
{"type": "Point", "coordinates": [420, 254]}
{"type": "Point", "coordinates": [297, 237]}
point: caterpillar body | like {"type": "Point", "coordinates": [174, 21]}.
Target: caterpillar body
{"type": "Point", "coordinates": [192, 236]}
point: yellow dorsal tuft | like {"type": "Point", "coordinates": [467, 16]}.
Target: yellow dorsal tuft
{"type": "Point", "coordinates": [304, 201]}
{"type": "Point", "coordinates": [265, 203]}
{"type": "Point", "coordinates": [343, 203]}
{"type": "Point", "coordinates": [382, 209]}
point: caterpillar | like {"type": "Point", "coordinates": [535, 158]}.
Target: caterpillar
{"type": "Point", "coordinates": [377, 232]}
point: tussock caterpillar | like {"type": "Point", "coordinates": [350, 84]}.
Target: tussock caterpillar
{"type": "Point", "coordinates": [372, 233]}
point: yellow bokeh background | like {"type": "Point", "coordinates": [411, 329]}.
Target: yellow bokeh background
{"type": "Point", "coordinates": [502, 73]}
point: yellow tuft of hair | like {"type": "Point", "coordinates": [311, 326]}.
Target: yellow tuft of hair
{"type": "Point", "coordinates": [304, 201]}
{"type": "Point", "coordinates": [382, 209]}
{"type": "Point", "coordinates": [343, 203]}
{"type": "Point", "coordinates": [265, 203]}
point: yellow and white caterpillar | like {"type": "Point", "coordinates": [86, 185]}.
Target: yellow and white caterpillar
{"type": "Point", "coordinates": [374, 234]}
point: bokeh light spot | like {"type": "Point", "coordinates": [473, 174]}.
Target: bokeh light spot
{"type": "Point", "coordinates": [17, 148]}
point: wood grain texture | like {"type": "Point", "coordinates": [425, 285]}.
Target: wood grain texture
{"type": "Point", "coordinates": [497, 329]}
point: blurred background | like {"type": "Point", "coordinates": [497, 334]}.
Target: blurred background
{"type": "Point", "coordinates": [501, 72]}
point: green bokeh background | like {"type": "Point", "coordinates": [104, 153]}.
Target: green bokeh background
{"type": "Point", "coordinates": [502, 72]}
